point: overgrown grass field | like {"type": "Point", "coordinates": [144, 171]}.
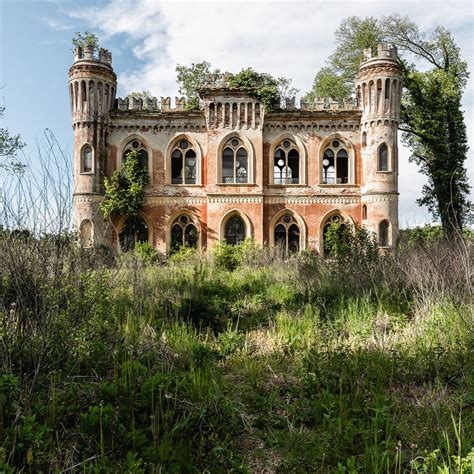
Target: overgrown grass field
{"type": "Point", "coordinates": [235, 361]}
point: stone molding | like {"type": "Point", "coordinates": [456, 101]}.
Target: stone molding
{"type": "Point", "coordinates": [235, 199]}
{"type": "Point", "coordinates": [345, 200]}
{"type": "Point", "coordinates": [181, 200]}
{"type": "Point", "coordinates": [88, 198]}
{"type": "Point", "coordinates": [380, 198]}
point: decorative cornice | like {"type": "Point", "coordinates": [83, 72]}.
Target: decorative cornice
{"type": "Point", "coordinates": [181, 200]}
{"type": "Point", "coordinates": [345, 200]}
{"type": "Point", "coordinates": [380, 197]}
{"type": "Point", "coordinates": [235, 199]}
{"type": "Point", "coordinates": [87, 198]}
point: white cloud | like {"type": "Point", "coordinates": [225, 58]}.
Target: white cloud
{"type": "Point", "coordinates": [283, 38]}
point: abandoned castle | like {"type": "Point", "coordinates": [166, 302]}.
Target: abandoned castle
{"type": "Point", "coordinates": [234, 170]}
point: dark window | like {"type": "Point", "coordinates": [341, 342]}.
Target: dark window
{"type": "Point", "coordinates": [286, 164]}
{"type": "Point", "coordinates": [383, 158]}
{"type": "Point", "coordinates": [287, 235]}
{"type": "Point", "coordinates": [183, 163]}
{"type": "Point", "coordinates": [364, 212]}
{"type": "Point", "coordinates": [383, 234]}
{"type": "Point", "coordinates": [234, 232]}
{"type": "Point", "coordinates": [183, 233]}
{"type": "Point", "coordinates": [134, 230]}
{"type": "Point", "coordinates": [87, 159]}
{"type": "Point", "coordinates": [235, 164]}
{"type": "Point", "coordinates": [335, 164]}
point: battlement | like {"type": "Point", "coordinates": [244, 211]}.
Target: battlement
{"type": "Point", "coordinates": [383, 51]}
{"type": "Point", "coordinates": [151, 104]}
{"type": "Point", "coordinates": [89, 53]}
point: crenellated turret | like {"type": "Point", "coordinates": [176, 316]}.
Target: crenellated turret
{"type": "Point", "coordinates": [378, 95]}
{"type": "Point", "coordinates": [92, 89]}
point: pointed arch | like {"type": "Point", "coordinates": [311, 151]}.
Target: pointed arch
{"type": "Point", "coordinates": [183, 211]}
{"type": "Point", "coordinates": [327, 217]}
{"type": "Point", "coordinates": [301, 151]}
{"type": "Point", "coordinates": [383, 158]}
{"type": "Point", "coordinates": [145, 145]}
{"type": "Point", "coordinates": [140, 215]}
{"type": "Point", "coordinates": [228, 215]}
{"type": "Point", "coordinates": [250, 156]}
{"type": "Point", "coordinates": [195, 146]}
{"type": "Point", "coordinates": [299, 220]}
{"type": "Point", "coordinates": [345, 144]}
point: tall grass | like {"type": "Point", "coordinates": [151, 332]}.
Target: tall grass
{"type": "Point", "coordinates": [237, 361]}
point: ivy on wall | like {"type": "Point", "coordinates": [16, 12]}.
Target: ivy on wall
{"type": "Point", "coordinates": [125, 190]}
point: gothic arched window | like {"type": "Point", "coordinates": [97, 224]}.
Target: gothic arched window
{"type": "Point", "coordinates": [364, 212]}
{"type": "Point", "coordinates": [133, 230]}
{"type": "Point", "coordinates": [235, 230]}
{"type": "Point", "coordinates": [183, 163]}
{"type": "Point", "coordinates": [86, 233]}
{"type": "Point", "coordinates": [287, 234]}
{"type": "Point", "coordinates": [382, 160]}
{"type": "Point", "coordinates": [335, 165]}
{"type": "Point", "coordinates": [383, 234]}
{"type": "Point", "coordinates": [183, 233]}
{"type": "Point", "coordinates": [142, 153]}
{"type": "Point", "coordinates": [86, 159]}
{"type": "Point", "coordinates": [235, 163]}
{"type": "Point", "coordinates": [286, 163]}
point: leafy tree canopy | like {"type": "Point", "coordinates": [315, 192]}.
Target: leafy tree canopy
{"type": "Point", "coordinates": [431, 120]}
{"type": "Point", "coordinates": [264, 87]}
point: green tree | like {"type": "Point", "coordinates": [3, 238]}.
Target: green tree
{"type": "Point", "coordinates": [10, 145]}
{"type": "Point", "coordinates": [192, 78]}
{"type": "Point", "coordinates": [125, 190]}
{"type": "Point", "coordinates": [431, 119]}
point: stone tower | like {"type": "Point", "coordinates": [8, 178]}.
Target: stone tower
{"type": "Point", "coordinates": [378, 87]}
{"type": "Point", "coordinates": [92, 88]}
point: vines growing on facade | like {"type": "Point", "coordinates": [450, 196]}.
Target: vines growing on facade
{"type": "Point", "coordinates": [125, 190]}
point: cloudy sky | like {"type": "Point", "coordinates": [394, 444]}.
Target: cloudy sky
{"type": "Point", "coordinates": [149, 37]}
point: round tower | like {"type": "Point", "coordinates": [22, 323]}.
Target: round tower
{"type": "Point", "coordinates": [92, 88]}
{"type": "Point", "coordinates": [379, 87]}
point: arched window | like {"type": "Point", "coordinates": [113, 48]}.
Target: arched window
{"type": "Point", "coordinates": [137, 145]}
{"type": "Point", "coordinates": [86, 159]}
{"type": "Point", "coordinates": [235, 230]}
{"type": "Point", "coordinates": [235, 165]}
{"type": "Point", "coordinates": [134, 230]}
{"type": "Point", "coordinates": [364, 212]}
{"type": "Point", "coordinates": [287, 235]}
{"type": "Point", "coordinates": [286, 163]}
{"type": "Point", "coordinates": [383, 234]}
{"type": "Point", "coordinates": [86, 233]}
{"type": "Point", "coordinates": [183, 163]}
{"type": "Point", "coordinates": [382, 158]}
{"type": "Point", "coordinates": [364, 139]}
{"type": "Point", "coordinates": [183, 233]}
{"type": "Point", "coordinates": [334, 228]}
{"type": "Point", "coordinates": [335, 164]}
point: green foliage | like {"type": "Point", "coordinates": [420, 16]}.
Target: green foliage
{"type": "Point", "coordinates": [432, 120]}
{"type": "Point", "coordinates": [192, 78]}
{"type": "Point", "coordinates": [186, 366]}
{"type": "Point", "coordinates": [10, 145]}
{"type": "Point", "coordinates": [86, 40]}
{"type": "Point", "coordinates": [263, 86]}
{"type": "Point", "coordinates": [146, 252]}
{"type": "Point", "coordinates": [125, 190]}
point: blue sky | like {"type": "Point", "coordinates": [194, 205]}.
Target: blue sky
{"type": "Point", "coordinates": [149, 37]}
